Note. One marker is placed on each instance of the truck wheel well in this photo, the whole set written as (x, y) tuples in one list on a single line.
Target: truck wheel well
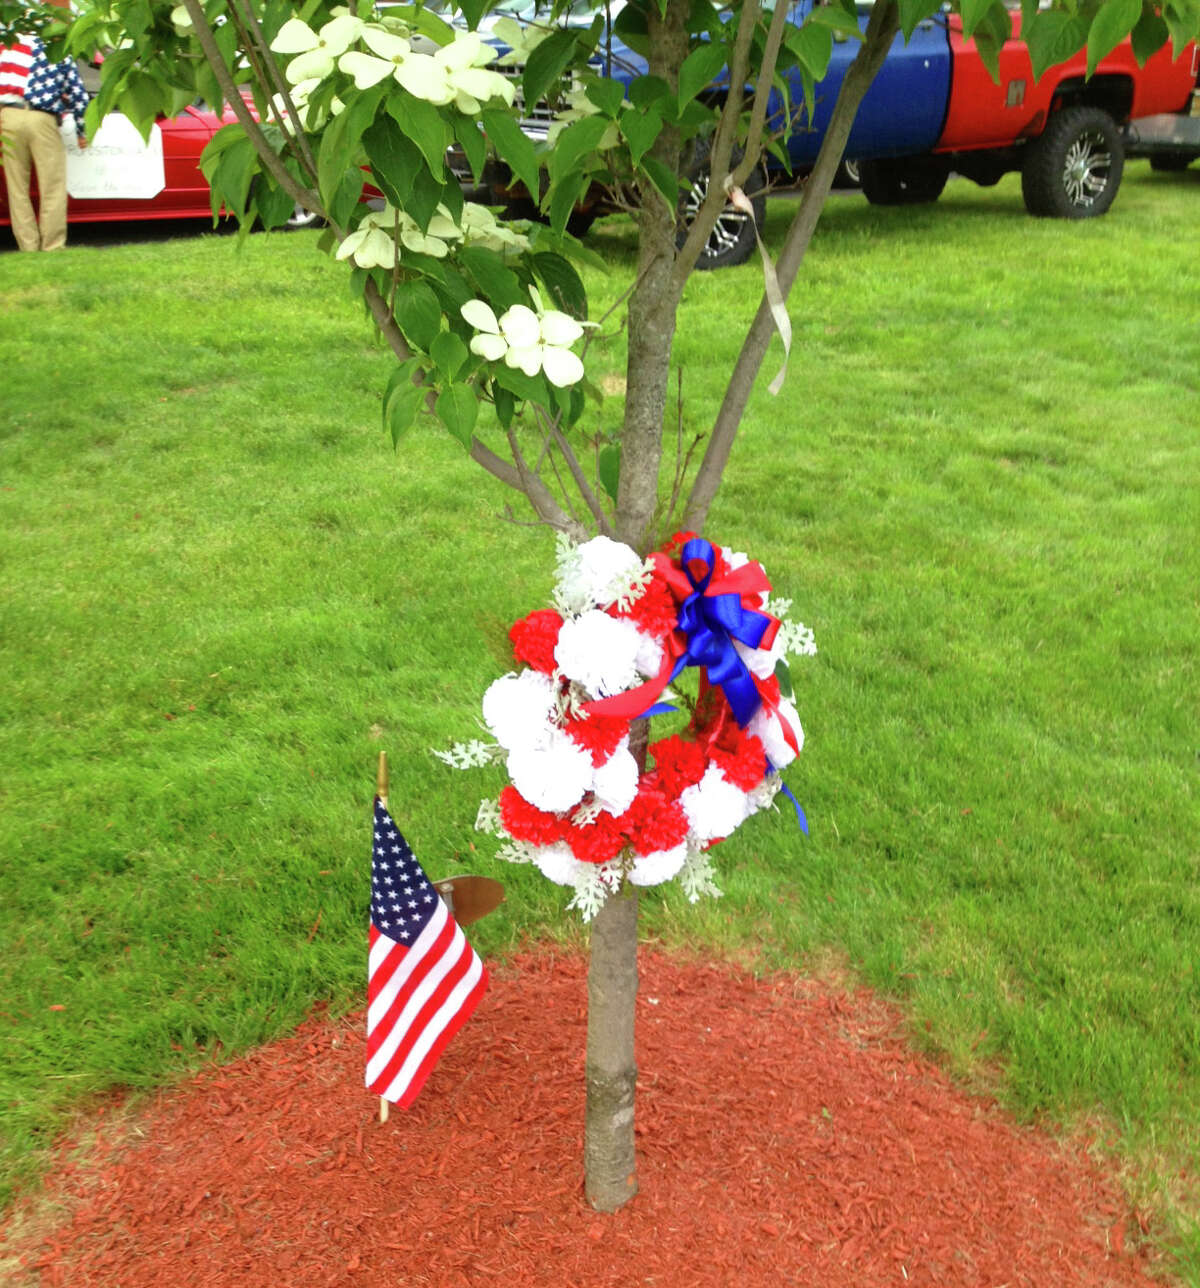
[(1112, 94)]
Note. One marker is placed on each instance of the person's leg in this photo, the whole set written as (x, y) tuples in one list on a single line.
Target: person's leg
[(14, 130), (50, 162)]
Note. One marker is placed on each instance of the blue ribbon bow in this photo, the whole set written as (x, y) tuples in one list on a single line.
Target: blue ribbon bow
[(710, 624)]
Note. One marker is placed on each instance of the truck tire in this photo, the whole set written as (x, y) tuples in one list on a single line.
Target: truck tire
[(902, 181), (732, 239), (1074, 169), (1171, 164)]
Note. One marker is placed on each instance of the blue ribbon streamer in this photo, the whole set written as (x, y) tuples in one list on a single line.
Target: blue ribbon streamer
[(710, 624)]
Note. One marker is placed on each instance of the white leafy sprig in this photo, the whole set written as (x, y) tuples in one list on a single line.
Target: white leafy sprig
[(470, 755), (794, 638), (487, 818), (516, 852), (698, 877), (594, 883)]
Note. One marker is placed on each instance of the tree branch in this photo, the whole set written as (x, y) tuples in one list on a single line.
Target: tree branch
[(271, 160), (881, 31)]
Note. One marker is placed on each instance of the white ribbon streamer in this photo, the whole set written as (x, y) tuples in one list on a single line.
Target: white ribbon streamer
[(783, 324)]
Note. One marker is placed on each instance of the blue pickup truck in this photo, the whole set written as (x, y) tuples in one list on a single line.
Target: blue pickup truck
[(934, 108)]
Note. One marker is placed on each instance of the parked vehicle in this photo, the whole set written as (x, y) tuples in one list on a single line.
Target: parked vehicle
[(934, 108), (120, 176)]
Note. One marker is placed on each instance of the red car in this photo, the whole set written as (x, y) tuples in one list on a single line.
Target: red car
[(119, 176)]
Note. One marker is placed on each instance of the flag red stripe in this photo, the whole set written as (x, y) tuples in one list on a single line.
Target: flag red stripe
[(457, 1020), (426, 1015), (419, 966)]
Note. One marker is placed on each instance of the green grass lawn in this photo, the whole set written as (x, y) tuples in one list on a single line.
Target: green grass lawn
[(223, 594)]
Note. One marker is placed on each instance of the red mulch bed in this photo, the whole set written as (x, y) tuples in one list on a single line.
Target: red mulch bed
[(786, 1134)]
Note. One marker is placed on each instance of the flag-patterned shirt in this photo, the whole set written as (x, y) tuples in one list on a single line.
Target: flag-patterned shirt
[(26, 73), (423, 978)]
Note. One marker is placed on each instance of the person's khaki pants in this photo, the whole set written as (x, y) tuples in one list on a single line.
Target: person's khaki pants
[(31, 141)]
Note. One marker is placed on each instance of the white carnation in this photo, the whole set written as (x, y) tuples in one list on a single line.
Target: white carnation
[(616, 781), (662, 865), (599, 652), (555, 776), (649, 655), (765, 725), (714, 806), (761, 661), (517, 709), (596, 573), (556, 863)]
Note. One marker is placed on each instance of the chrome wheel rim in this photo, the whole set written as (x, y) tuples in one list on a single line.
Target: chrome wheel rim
[(727, 231), (1086, 168)]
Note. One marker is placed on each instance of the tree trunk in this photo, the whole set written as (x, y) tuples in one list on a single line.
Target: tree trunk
[(609, 1160)]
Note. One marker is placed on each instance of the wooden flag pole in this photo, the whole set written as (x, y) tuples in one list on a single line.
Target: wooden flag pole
[(381, 790)]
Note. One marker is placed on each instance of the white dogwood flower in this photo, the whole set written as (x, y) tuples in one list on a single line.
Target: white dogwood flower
[(533, 341), (370, 245), (315, 51), (310, 118), (521, 38), (454, 74), (480, 227)]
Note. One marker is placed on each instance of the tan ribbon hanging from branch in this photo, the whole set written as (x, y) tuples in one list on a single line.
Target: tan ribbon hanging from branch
[(783, 324)]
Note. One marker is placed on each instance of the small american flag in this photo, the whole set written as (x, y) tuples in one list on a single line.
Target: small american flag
[(423, 978)]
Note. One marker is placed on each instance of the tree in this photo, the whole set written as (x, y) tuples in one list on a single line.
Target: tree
[(320, 93)]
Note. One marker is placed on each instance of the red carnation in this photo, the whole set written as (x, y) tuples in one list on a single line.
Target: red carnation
[(534, 637), (653, 822), (654, 611), (745, 765), (596, 842), (599, 735), (678, 764), (525, 822)]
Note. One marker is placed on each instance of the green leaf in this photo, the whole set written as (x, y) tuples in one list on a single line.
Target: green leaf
[(563, 283), (513, 147), (1183, 20), (608, 468), (546, 64), (424, 124), (449, 354), (403, 398), (493, 279), (418, 313), (575, 144), (991, 35), (427, 194), (473, 10), (338, 154), (534, 389), (663, 179), (458, 410), (506, 404), (346, 198), (1114, 21), (784, 675), (232, 175), (474, 145), (836, 19), (607, 95), (273, 204), (1052, 37), (700, 68), (640, 129), (644, 90), (813, 47), (564, 196), (394, 160), (1148, 37), (973, 13), (915, 11)]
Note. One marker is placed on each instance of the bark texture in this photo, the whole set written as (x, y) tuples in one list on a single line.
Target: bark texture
[(610, 1164)]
